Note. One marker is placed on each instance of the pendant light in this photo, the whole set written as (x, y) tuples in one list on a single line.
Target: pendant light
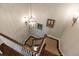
[(30, 12), (30, 18)]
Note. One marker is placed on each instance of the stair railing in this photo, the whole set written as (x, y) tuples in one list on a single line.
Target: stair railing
[(26, 50)]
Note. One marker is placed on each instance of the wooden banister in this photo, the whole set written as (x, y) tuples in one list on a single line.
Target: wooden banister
[(26, 47), (11, 39), (42, 44)]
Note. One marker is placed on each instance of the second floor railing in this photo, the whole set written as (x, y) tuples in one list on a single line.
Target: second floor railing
[(23, 49)]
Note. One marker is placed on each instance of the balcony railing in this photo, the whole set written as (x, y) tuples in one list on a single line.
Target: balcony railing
[(23, 49)]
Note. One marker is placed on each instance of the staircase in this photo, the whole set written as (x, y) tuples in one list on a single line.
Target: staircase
[(50, 47), (45, 46), (35, 43), (25, 50)]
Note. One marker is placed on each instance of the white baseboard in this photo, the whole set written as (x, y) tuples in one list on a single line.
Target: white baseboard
[(61, 52)]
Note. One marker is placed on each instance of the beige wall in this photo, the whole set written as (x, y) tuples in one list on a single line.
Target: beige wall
[(11, 22), (70, 40), (42, 12)]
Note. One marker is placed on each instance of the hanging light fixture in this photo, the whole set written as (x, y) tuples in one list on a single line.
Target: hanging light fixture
[(75, 17), (30, 12), (27, 18), (30, 18)]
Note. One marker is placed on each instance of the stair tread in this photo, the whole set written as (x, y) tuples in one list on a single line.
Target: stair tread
[(53, 50), (51, 46)]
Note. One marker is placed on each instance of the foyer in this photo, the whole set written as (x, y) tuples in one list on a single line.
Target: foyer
[(38, 29)]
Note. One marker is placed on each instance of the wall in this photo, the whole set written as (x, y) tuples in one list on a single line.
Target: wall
[(70, 39), (41, 12), (11, 22)]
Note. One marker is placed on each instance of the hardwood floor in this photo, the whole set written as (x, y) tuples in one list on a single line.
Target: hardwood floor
[(46, 53)]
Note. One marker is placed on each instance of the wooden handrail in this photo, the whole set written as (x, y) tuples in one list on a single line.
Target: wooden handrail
[(42, 44), (26, 46), (23, 46), (11, 39)]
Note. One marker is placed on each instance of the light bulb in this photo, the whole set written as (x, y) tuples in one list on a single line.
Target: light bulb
[(24, 19)]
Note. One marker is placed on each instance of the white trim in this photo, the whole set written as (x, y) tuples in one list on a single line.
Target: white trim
[(53, 37), (61, 52)]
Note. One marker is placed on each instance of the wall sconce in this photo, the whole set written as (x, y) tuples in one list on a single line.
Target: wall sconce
[(75, 18)]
